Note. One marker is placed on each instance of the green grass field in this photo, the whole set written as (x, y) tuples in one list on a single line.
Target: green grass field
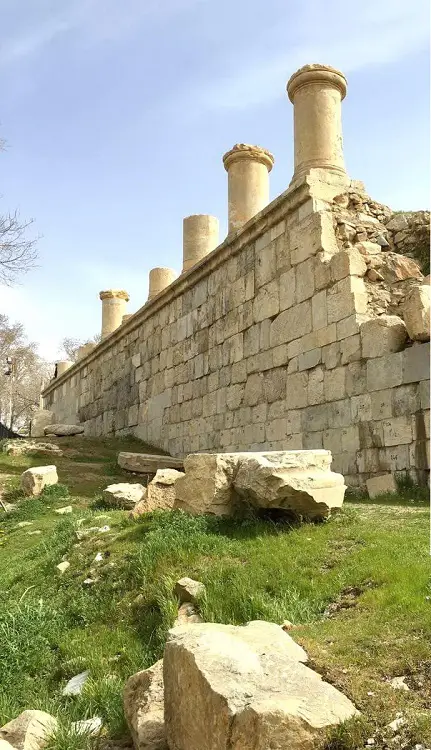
[(357, 589)]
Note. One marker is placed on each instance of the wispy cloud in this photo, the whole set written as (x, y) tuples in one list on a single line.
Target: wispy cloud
[(373, 33)]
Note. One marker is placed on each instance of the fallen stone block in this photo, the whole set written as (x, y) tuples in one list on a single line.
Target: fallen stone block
[(39, 420), (300, 482), (29, 731), (123, 495), (144, 708), (29, 448), (247, 687), (63, 430), (34, 480), (187, 615), (146, 463), (160, 493), (381, 485), (416, 313), (188, 590), (382, 335)]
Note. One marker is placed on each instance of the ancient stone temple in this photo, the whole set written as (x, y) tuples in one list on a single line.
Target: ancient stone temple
[(304, 328)]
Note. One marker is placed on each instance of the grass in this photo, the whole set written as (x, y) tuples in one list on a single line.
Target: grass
[(356, 588)]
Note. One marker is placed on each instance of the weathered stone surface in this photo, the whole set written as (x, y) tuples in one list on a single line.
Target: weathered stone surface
[(39, 420), (123, 495), (187, 615), (188, 590), (76, 683), (381, 484), (247, 687), (382, 335), (63, 430), (416, 313), (30, 448), (159, 494), (146, 463), (144, 709), (297, 481), (34, 480), (29, 731)]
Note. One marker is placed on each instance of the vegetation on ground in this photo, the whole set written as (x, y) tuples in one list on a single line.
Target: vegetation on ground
[(357, 589)]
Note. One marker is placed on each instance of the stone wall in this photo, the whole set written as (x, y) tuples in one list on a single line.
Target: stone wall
[(305, 328), (278, 339)]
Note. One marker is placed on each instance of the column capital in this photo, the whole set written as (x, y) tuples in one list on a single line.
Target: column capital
[(114, 294), (315, 73), (247, 151)]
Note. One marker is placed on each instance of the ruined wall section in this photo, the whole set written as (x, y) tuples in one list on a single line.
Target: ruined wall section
[(279, 339)]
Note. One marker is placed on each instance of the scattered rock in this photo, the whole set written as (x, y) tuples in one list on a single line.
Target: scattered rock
[(147, 463), (397, 223), (123, 495), (416, 313), (99, 557), (396, 724), (374, 275), (90, 581), (188, 590), (381, 485), (34, 533), (63, 566), (187, 615), (144, 708), (29, 731), (64, 510), (63, 430), (23, 524), (76, 684), (29, 448), (287, 625), (246, 687), (399, 683), (88, 726), (34, 480)]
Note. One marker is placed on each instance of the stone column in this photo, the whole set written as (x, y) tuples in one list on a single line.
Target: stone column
[(114, 303), (159, 279), (200, 236), (62, 366), (248, 170), (316, 92)]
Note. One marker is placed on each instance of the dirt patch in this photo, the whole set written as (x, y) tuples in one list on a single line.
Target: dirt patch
[(348, 598)]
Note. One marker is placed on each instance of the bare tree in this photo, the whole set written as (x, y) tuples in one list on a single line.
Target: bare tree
[(22, 372), (70, 346), (17, 252)]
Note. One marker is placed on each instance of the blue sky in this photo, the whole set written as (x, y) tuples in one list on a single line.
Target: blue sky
[(117, 113)]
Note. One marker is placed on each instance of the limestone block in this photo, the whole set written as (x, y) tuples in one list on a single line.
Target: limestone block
[(335, 384), (397, 223), (343, 304), (397, 431), (385, 372), (350, 349), (287, 289), (315, 389), (291, 324), (266, 302), (296, 390), (61, 430), (274, 384), (305, 280), (143, 700), (123, 495), (340, 413), (188, 590), (368, 249), (405, 400), (206, 486), (416, 363), (361, 408), (34, 480), (416, 313), (381, 485), (39, 420), (147, 463), (30, 730), (246, 687), (309, 359), (350, 441), (347, 263), (382, 335), (159, 494), (319, 312), (396, 267)]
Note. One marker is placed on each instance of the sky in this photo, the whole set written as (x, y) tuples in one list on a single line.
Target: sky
[(116, 116)]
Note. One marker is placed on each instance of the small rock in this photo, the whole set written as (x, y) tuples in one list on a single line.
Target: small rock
[(98, 558), (398, 683), (88, 726), (34, 480), (187, 615), (397, 724), (76, 684), (373, 275), (63, 511), (104, 529), (371, 741), (89, 581), (188, 590), (63, 566), (33, 533), (381, 240), (287, 625), (22, 524)]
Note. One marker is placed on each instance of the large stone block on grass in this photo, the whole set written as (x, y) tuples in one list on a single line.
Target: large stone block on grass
[(144, 708), (146, 463), (39, 420), (123, 495), (247, 688), (29, 731), (381, 485), (300, 482), (64, 430), (34, 480), (160, 493)]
